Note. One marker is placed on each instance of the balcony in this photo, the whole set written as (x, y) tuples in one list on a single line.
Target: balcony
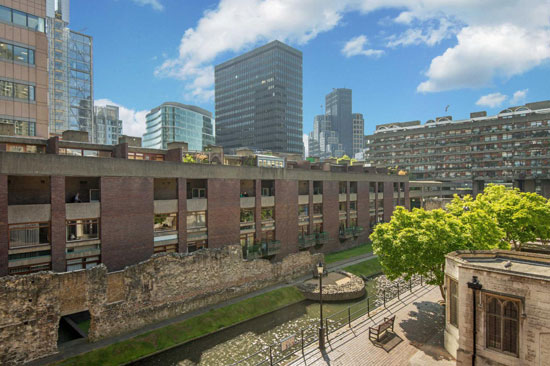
[(74, 211), (342, 197), (197, 204), (346, 233), (253, 252), (322, 238), (28, 213), (160, 206), (357, 230), (317, 198), (248, 202), (306, 241), (270, 247), (303, 199)]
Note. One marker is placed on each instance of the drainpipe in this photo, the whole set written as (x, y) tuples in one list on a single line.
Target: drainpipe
[(475, 286)]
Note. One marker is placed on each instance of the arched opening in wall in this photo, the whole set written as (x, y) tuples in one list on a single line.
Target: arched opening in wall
[(73, 326)]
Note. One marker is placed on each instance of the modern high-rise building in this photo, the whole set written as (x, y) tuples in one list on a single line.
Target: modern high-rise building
[(108, 126), (23, 68), (358, 133), (71, 73), (338, 108), (259, 100), (176, 122)]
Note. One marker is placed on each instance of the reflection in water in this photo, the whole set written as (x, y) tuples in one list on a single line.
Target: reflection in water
[(238, 342)]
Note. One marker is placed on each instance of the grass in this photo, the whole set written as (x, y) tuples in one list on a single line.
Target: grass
[(84, 326), (367, 268), (349, 253), (186, 330)]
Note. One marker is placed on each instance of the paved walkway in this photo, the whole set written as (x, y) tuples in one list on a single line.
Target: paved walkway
[(418, 337), (80, 346)]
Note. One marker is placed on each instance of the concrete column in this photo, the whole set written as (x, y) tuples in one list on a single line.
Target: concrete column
[(4, 236), (330, 215), (52, 146), (182, 215), (121, 151), (388, 201), (58, 227), (175, 155)]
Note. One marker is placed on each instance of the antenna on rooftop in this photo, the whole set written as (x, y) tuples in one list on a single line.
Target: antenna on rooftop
[(447, 107)]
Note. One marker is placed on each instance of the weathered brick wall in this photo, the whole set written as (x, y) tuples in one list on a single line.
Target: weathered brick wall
[(162, 287), (286, 215), (330, 215), (363, 210), (223, 215), (126, 220), (4, 239)]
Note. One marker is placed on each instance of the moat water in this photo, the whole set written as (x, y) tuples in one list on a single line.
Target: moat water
[(236, 343)]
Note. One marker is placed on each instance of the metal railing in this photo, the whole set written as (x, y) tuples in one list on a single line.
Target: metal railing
[(322, 238), (306, 241), (298, 341), (271, 247)]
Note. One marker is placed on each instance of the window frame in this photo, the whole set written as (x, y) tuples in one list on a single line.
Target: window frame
[(501, 318)]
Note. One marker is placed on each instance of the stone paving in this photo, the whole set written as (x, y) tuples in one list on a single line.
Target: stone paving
[(417, 338)]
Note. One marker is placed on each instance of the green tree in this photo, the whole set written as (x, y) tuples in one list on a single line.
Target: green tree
[(522, 216), (189, 159), (416, 242)]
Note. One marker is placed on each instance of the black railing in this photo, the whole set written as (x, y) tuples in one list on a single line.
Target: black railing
[(298, 341)]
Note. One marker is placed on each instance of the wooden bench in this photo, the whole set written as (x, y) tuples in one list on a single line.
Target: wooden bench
[(381, 328)]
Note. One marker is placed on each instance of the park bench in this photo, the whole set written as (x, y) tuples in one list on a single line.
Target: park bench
[(381, 328)]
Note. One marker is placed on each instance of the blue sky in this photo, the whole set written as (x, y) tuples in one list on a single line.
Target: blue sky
[(403, 59)]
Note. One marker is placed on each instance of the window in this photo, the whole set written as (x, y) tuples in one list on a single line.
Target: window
[(5, 14), (196, 219), (198, 193), (23, 19), (6, 88), (85, 229), (267, 213), (31, 234), (247, 215), (453, 305), (6, 51), (19, 18), (317, 208), (74, 264), (502, 324), (303, 210), (165, 222)]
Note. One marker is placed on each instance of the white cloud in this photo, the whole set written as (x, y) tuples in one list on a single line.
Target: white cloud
[(305, 139), (492, 100), (495, 38), (155, 4), (485, 53), (133, 122), (356, 46), (519, 97)]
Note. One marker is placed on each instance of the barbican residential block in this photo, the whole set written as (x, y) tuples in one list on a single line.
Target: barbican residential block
[(72, 205), (511, 148)]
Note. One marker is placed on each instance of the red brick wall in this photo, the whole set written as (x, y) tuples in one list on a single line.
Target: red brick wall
[(58, 227), (4, 239), (330, 215), (388, 200), (224, 210), (363, 209), (258, 210), (310, 183), (286, 215), (126, 220), (182, 215)]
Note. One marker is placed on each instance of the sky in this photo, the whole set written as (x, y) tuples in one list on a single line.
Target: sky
[(403, 59)]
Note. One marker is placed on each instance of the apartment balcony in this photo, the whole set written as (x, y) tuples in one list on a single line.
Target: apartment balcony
[(160, 206), (253, 251), (248, 227), (268, 224), (270, 247), (166, 237), (357, 230), (248, 202), (302, 219), (306, 241), (317, 218), (342, 197), (317, 198), (303, 199), (268, 201), (321, 238), (353, 196), (29, 213), (74, 211), (346, 233), (197, 204), (197, 233)]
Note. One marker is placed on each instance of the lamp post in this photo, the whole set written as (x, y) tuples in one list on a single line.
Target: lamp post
[(321, 329), (475, 286)]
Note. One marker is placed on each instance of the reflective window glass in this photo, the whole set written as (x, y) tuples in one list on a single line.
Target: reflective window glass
[(31, 57), (32, 22), (6, 88), (5, 14), (21, 91), (21, 54), (6, 51), (19, 18), (31, 92)]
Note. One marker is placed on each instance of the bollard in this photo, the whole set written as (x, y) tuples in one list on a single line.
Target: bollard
[(349, 317), (270, 356), (398, 291), (411, 284), (368, 306)]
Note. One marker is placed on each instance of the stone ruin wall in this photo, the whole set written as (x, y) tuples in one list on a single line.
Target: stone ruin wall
[(162, 287)]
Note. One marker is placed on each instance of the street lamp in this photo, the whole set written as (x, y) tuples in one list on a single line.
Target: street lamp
[(320, 270), (475, 286)]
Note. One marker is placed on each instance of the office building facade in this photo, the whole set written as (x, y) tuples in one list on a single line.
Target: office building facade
[(70, 72), (358, 133), (338, 107), (23, 68), (108, 126), (64, 211), (258, 98), (176, 122), (510, 148)]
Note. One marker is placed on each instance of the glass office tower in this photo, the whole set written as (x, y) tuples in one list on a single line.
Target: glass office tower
[(70, 73), (338, 108), (108, 126), (176, 122), (259, 100)]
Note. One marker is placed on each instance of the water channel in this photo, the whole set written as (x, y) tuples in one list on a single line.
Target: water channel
[(236, 343)]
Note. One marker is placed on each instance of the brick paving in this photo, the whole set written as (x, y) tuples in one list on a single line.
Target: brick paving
[(418, 335)]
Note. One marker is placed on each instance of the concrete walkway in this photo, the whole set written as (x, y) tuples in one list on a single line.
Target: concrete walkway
[(417, 337), (80, 346)]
